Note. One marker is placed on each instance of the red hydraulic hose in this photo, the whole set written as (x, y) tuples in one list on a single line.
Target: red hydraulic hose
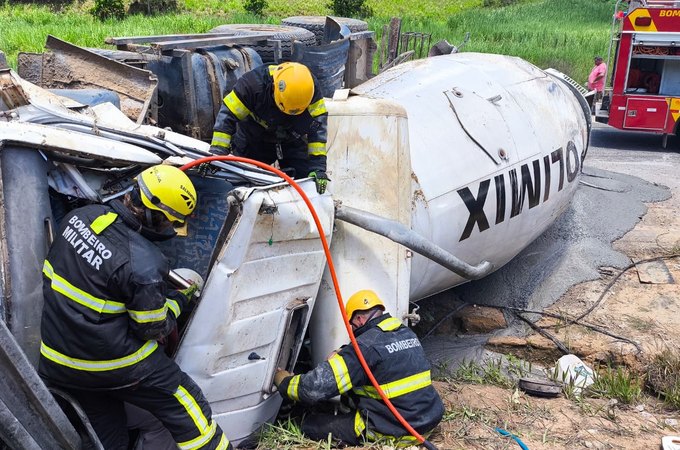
[(336, 285)]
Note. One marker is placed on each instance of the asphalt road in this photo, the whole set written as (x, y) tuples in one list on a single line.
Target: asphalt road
[(623, 172)]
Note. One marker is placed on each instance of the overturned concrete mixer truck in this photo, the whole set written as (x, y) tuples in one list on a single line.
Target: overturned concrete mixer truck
[(443, 169)]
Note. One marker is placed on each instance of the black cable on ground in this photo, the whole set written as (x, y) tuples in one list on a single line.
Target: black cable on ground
[(544, 333), (611, 283), (571, 321)]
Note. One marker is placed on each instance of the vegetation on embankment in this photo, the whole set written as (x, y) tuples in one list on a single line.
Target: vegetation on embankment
[(548, 33)]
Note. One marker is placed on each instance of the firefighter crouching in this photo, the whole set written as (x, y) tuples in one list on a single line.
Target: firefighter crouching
[(394, 355), (276, 113), (106, 306)]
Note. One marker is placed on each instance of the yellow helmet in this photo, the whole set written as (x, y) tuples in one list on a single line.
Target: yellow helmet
[(293, 87), (168, 190), (362, 301)]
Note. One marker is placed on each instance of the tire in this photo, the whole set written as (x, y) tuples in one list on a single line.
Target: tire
[(286, 34), (316, 24)]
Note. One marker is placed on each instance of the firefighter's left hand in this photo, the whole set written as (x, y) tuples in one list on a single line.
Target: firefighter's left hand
[(280, 376), (321, 180), (190, 292)]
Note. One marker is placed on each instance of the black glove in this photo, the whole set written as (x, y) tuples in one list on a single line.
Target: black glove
[(321, 180)]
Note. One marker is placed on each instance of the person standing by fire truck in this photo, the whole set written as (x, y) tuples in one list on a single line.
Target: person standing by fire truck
[(597, 77)]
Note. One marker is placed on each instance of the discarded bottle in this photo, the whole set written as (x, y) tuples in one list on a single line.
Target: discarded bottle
[(571, 370)]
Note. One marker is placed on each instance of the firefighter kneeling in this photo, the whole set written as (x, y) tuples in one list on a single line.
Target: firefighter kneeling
[(394, 355)]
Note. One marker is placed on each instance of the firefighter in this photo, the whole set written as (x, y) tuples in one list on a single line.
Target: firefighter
[(276, 113), (107, 305), (394, 355)]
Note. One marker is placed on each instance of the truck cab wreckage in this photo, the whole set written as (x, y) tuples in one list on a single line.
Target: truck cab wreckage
[(443, 169)]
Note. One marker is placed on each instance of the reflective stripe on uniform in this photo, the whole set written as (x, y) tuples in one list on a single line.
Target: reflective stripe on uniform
[(398, 442), (204, 438), (173, 306), (293, 388), (359, 424), (390, 324), (403, 441), (397, 388), (100, 305), (342, 378), (207, 431), (236, 106), (98, 366), (317, 108), (155, 315), (221, 139), (102, 222), (317, 149)]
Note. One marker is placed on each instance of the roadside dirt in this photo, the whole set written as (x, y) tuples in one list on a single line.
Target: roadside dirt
[(641, 304)]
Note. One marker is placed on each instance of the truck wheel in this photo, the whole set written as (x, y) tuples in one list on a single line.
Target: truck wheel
[(286, 34), (316, 24)]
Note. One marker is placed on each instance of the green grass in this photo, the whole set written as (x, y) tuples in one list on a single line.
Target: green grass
[(548, 33), (618, 383)]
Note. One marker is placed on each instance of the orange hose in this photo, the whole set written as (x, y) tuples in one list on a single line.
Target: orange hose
[(331, 269)]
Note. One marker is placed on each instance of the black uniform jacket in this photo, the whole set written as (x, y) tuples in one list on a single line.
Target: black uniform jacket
[(394, 355), (251, 105), (106, 301)]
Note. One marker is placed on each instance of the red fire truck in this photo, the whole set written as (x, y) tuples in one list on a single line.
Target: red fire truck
[(643, 92)]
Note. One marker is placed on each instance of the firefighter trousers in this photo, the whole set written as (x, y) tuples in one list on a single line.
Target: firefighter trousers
[(291, 153), (170, 395), (317, 426)]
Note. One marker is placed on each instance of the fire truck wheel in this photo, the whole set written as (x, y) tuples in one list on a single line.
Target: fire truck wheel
[(286, 34), (316, 24)]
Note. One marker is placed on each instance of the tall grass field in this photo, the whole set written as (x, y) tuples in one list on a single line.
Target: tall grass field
[(549, 33)]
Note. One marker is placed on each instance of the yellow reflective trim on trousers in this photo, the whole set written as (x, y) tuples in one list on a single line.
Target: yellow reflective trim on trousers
[(398, 442), (102, 222), (390, 324), (221, 139), (203, 439), (155, 315), (317, 108), (397, 388), (194, 410), (173, 306), (236, 106), (317, 149), (98, 366), (359, 424), (341, 373), (293, 388), (99, 305), (223, 444)]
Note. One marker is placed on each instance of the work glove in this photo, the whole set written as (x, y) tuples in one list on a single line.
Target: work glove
[(220, 150), (280, 376), (190, 291), (321, 180)]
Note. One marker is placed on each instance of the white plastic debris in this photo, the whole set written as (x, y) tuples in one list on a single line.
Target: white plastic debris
[(571, 370)]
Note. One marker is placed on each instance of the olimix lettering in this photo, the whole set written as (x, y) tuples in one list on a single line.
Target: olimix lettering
[(85, 242), (524, 184)]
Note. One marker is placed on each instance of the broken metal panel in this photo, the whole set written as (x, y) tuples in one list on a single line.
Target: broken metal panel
[(29, 403), (66, 66), (75, 144)]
